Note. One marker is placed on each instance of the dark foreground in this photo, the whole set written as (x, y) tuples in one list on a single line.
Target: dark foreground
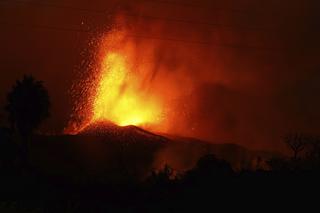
[(197, 190), (133, 173)]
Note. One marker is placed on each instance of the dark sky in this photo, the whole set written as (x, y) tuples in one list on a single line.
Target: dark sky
[(254, 64)]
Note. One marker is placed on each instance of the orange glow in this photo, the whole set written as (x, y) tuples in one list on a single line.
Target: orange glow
[(127, 83), (118, 98)]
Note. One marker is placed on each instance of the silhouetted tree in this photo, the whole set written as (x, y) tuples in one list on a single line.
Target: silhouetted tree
[(27, 105), (297, 143)]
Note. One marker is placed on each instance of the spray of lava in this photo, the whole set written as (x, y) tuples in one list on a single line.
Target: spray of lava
[(118, 98), (119, 90)]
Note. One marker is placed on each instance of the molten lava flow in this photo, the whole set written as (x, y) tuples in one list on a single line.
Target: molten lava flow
[(119, 98)]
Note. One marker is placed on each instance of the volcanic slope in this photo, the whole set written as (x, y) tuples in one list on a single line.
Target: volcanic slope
[(104, 150)]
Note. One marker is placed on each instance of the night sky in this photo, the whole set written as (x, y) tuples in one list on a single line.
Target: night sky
[(252, 66)]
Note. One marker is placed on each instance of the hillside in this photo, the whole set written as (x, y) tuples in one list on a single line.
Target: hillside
[(106, 149)]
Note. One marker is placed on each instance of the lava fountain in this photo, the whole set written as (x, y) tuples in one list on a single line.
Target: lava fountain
[(118, 88), (118, 98)]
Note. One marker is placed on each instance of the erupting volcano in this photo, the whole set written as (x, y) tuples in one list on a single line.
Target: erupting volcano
[(131, 80), (120, 88)]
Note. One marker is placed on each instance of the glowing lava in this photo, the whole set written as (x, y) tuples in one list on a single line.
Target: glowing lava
[(119, 98), (120, 87)]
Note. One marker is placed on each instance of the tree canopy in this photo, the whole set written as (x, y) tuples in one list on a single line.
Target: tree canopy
[(27, 105)]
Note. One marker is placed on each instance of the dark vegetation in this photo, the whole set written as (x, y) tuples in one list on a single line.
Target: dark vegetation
[(108, 168)]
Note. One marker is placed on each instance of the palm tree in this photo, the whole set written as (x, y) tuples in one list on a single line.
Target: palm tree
[(27, 105)]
